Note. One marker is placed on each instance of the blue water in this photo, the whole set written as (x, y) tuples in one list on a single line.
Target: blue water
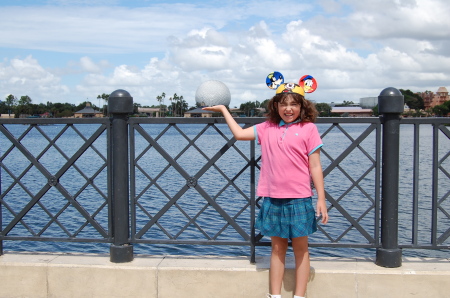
[(150, 165)]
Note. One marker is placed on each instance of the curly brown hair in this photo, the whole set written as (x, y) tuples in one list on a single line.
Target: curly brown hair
[(308, 112)]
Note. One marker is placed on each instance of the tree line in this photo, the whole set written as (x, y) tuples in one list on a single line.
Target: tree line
[(177, 106), (24, 106)]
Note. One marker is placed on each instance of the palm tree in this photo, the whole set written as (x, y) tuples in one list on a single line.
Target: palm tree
[(175, 99), (160, 99), (163, 95), (105, 97), (181, 106)]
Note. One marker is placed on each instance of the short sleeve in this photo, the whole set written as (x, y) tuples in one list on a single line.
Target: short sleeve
[(260, 131), (315, 142)]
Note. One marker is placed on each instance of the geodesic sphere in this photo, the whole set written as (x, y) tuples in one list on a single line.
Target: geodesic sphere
[(212, 93)]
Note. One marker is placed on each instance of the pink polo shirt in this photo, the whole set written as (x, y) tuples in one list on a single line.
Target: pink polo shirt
[(284, 158)]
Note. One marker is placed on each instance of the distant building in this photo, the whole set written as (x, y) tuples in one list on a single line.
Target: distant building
[(198, 112), (368, 102), (431, 99), (150, 111), (342, 104), (352, 111), (258, 112), (88, 112)]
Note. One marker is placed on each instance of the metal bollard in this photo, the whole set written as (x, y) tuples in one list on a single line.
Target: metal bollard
[(390, 106), (120, 104)]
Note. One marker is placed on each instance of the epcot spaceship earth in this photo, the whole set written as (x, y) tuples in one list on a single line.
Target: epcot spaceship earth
[(212, 93)]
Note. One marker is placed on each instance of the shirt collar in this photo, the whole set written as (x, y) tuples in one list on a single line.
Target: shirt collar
[(284, 123)]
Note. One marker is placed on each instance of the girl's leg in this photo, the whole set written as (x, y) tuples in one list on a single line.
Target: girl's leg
[(301, 253), (277, 263)]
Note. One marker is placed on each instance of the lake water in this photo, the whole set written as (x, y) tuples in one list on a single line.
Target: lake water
[(156, 183)]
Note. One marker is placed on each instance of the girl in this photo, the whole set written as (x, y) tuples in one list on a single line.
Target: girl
[(290, 158)]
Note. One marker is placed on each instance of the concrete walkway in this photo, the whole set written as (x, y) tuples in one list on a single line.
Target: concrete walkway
[(84, 275)]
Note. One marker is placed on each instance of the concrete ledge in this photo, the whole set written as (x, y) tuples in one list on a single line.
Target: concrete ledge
[(83, 275)]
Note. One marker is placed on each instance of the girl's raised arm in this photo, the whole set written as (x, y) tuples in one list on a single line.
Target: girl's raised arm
[(243, 134)]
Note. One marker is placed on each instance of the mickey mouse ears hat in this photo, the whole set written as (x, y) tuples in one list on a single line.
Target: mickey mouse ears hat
[(290, 88), (275, 80)]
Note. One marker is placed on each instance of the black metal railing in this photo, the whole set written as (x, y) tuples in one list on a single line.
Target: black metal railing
[(28, 208), (169, 181)]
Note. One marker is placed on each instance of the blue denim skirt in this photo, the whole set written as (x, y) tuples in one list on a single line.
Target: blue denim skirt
[(286, 218)]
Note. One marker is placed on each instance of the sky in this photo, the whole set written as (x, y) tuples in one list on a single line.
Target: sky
[(74, 50)]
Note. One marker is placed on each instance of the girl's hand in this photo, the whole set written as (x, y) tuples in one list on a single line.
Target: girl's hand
[(321, 209), (218, 108)]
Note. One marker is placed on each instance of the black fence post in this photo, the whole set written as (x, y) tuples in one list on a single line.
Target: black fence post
[(120, 104), (390, 106)]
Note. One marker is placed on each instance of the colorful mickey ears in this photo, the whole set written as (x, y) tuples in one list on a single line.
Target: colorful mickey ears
[(275, 79), (308, 83)]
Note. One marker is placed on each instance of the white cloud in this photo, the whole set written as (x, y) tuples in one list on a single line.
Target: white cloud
[(89, 66), (202, 49), (384, 21), (398, 61), (98, 29), (249, 96), (315, 51), (28, 77), (330, 6)]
